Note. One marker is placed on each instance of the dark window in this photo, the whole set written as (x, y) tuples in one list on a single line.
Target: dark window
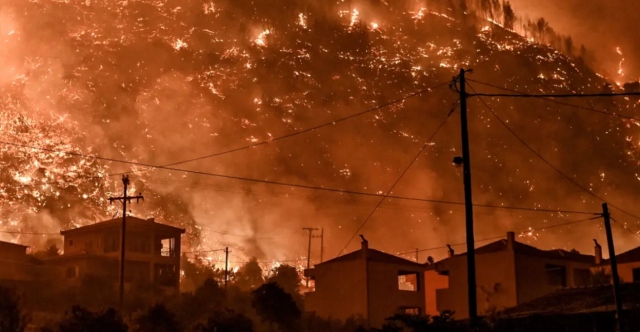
[(408, 281), (71, 272), (166, 275), (111, 242), (70, 243), (636, 275), (556, 275), (581, 277)]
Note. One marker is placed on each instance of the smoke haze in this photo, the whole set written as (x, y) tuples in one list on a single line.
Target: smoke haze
[(160, 82)]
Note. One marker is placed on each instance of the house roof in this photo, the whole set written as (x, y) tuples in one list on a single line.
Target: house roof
[(131, 221), (373, 256), (11, 244), (577, 300), (501, 245), (630, 256)]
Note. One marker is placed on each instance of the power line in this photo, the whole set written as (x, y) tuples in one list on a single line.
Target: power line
[(626, 229), (558, 101), (393, 102), (302, 186), (30, 233), (576, 183), (502, 236), (568, 95), (424, 146)]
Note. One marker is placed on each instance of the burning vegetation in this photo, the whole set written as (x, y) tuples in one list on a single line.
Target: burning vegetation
[(163, 81)]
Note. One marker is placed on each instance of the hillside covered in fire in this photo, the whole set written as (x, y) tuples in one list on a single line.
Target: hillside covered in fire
[(176, 82)]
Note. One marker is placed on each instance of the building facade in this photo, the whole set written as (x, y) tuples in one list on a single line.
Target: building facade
[(508, 273), (628, 264), (366, 284), (16, 266), (152, 252)]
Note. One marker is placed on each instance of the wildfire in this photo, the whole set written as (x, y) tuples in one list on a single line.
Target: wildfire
[(261, 40), (620, 70)]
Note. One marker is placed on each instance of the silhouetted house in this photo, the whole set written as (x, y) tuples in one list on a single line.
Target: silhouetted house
[(571, 301), (508, 273), (628, 264), (368, 284), (16, 266), (152, 252)]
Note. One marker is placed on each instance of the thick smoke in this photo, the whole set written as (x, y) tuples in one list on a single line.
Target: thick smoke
[(164, 81), (602, 26)]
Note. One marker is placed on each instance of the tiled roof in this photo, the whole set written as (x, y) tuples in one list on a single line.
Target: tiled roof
[(374, 256), (118, 221), (576, 300), (526, 249)]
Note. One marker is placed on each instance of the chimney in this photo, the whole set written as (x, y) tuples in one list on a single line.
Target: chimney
[(598, 252), (450, 250), (365, 246), (511, 239)]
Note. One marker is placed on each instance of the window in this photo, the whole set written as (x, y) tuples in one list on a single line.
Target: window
[(408, 281), (71, 272), (111, 242), (166, 275), (70, 243), (581, 277), (636, 275), (556, 275), (168, 247), (409, 311)]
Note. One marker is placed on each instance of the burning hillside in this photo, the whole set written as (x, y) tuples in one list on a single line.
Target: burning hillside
[(163, 81)]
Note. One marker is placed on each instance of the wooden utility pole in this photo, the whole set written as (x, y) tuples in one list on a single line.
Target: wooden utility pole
[(321, 245), (468, 202), (321, 237), (310, 230), (125, 199), (614, 265), (226, 267)]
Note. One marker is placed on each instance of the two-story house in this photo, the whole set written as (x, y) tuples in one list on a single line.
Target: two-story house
[(152, 252), (508, 273), (16, 266), (368, 284)]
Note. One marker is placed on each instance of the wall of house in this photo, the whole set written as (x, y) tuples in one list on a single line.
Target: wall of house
[(533, 280), (432, 282), (82, 243), (385, 297), (340, 290), (495, 280), (625, 270)]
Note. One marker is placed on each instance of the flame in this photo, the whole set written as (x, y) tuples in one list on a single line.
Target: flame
[(260, 41)]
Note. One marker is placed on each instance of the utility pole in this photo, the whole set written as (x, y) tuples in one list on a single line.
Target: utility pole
[(417, 255), (468, 203), (321, 236), (614, 265), (124, 199), (310, 230), (226, 267), (322, 245)]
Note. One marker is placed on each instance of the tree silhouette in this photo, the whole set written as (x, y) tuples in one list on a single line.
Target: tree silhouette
[(249, 276), (225, 321), (508, 15), (275, 306), (157, 319), (11, 317), (83, 320), (287, 277)]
